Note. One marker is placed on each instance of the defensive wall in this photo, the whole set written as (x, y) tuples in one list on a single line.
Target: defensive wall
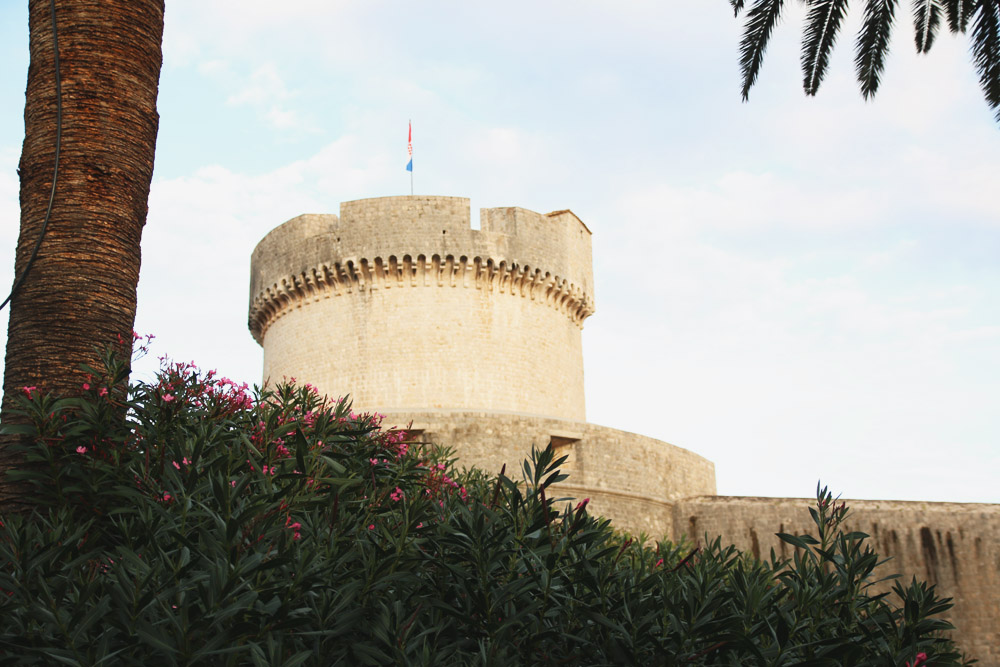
[(629, 478), (471, 339), (955, 546)]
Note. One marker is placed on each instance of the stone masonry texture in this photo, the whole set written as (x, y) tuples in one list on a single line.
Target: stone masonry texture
[(471, 340), (950, 545), (401, 304)]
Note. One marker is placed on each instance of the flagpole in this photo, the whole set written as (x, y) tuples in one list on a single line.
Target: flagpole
[(409, 142)]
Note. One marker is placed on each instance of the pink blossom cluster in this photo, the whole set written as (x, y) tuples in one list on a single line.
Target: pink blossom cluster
[(270, 420), (295, 527)]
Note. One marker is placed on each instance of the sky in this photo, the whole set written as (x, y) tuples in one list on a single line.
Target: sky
[(798, 289)]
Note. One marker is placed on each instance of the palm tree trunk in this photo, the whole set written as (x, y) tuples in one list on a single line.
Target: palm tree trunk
[(80, 292)]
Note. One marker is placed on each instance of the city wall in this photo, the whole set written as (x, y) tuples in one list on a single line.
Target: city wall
[(471, 338), (955, 546), (629, 478)]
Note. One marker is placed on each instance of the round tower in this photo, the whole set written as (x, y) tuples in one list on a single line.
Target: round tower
[(465, 338), (399, 303)]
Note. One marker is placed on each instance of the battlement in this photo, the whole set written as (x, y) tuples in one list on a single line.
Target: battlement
[(411, 241), (399, 302)]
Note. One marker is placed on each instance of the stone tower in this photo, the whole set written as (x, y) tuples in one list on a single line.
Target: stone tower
[(399, 303), (471, 339)]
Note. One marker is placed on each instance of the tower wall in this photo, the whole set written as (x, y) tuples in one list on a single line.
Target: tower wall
[(401, 304)]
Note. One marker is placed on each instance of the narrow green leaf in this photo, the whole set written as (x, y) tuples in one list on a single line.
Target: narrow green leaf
[(926, 20), (761, 19), (873, 44), (822, 23)]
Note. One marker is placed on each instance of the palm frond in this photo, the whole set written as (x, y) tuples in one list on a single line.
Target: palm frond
[(986, 51), (761, 19), (873, 44), (820, 33), (958, 13), (926, 19), (737, 6)]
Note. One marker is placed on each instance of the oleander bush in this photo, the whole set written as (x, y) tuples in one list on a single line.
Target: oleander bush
[(192, 521)]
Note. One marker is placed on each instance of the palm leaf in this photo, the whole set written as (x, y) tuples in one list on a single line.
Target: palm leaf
[(926, 19), (958, 13), (820, 33), (737, 6), (761, 19), (986, 51), (873, 44)]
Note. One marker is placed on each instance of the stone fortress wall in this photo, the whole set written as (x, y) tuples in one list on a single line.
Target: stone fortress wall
[(629, 478), (954, 546), (471, 338)]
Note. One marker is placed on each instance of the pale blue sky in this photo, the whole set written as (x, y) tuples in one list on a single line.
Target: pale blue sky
[(795, 288)]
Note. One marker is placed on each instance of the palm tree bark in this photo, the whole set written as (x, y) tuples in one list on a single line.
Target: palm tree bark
[(80, 291)]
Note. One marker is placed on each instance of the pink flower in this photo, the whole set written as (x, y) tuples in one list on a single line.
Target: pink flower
[(920, 659), (176, 464), (371, 526), (397, 495), (167, 398), (81, 450), (28, 390), (659, 563), (86, 386), (185, 461), (103, 391)]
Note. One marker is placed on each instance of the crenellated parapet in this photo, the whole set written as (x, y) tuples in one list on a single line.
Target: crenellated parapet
[(396, 242), (399, 302), (471, 339)]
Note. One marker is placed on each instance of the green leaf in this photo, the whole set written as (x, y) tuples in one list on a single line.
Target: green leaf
[(986, 52), (800, 541), (822, 23), (761, 19), (873, 44), (926, 20)]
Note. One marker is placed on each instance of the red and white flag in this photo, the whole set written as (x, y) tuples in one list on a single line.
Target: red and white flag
[(409, 145)]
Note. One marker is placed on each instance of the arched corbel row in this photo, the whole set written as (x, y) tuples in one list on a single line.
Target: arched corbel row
[(358, 275)]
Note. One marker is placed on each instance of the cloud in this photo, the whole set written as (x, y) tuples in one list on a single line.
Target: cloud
[(264, 90), (256, 29), (847, 348), (263, 87), (196, 248)]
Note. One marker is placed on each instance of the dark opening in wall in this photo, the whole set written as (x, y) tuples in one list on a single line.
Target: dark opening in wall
[(562, 440)]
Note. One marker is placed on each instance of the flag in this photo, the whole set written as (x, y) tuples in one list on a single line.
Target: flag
[(409, 146)]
